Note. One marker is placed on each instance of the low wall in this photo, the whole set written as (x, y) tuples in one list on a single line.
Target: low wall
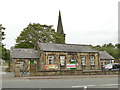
[(76, 72), (101, 73)]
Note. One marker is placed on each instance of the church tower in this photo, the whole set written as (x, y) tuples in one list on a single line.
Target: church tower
[(60, 27)]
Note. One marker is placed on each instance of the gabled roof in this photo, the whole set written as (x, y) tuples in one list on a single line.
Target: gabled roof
[(24, 53), (105, 55), (65, 47)]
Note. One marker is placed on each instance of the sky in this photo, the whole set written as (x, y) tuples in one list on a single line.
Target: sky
[(84, 21)]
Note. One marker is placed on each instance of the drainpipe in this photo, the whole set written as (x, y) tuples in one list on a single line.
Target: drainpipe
[(98, 61)]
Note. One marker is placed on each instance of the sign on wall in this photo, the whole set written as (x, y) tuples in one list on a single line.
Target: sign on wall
[(51, 66), (71, 66)]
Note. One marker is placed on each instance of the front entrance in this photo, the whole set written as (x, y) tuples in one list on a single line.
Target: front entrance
[(25, 67)]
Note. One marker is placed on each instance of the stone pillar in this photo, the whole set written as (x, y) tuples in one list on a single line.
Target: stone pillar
[(32, 69), (17, 70), (87, 62), (11, 66), (96, 60), (42, 62)]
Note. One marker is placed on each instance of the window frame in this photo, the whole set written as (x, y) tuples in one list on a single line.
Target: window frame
[(109, 61), (103, 61), (50, 60), (83, 63), (92, 61), (62, 64)]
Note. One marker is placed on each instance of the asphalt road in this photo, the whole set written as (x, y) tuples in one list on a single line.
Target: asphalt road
[(62, 83)]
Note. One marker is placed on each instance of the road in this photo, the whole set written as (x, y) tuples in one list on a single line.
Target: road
[(62, 83)]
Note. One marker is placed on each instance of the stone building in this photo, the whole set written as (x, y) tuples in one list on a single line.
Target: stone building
[(67, 56), (106, 58), (60, 57), (21, 59)]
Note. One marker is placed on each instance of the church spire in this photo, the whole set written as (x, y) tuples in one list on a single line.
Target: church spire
[(60, 27)]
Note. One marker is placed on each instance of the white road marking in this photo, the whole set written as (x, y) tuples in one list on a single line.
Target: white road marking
[(84, 86)]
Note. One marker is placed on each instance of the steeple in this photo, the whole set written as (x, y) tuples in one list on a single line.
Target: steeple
[(60, 27)]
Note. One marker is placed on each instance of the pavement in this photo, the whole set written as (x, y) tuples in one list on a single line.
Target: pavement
[(10, 76), (71, 77)]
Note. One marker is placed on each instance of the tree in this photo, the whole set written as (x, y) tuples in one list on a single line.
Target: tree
[(117, 46), (110, 48), (2, 34), (98, 46), (5, 54), (110, 45), (1, 38), (37, 32)]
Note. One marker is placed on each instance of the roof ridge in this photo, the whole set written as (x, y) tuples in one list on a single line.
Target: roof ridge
[(67, 44), (23, 48)]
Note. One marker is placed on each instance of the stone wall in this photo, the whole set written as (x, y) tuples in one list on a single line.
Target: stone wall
[(76, 72)]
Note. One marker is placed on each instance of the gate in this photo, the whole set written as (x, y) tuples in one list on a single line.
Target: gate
[(24, 69)]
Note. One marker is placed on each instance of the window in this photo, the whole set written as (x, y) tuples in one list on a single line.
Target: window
[(50, 59), (21, 65), (92, 60), (109, 61), (62, 60), (82, 60), (103, 62)]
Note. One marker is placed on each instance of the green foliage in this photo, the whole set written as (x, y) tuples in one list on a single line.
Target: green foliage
[(37, 32), (110, 48), (5, 53), (2, 34), (24, 45), (59, 38)]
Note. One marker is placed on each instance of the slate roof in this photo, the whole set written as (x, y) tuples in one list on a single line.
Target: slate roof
[(31, 53), (105, 55), (24, 53), (65, 47)]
